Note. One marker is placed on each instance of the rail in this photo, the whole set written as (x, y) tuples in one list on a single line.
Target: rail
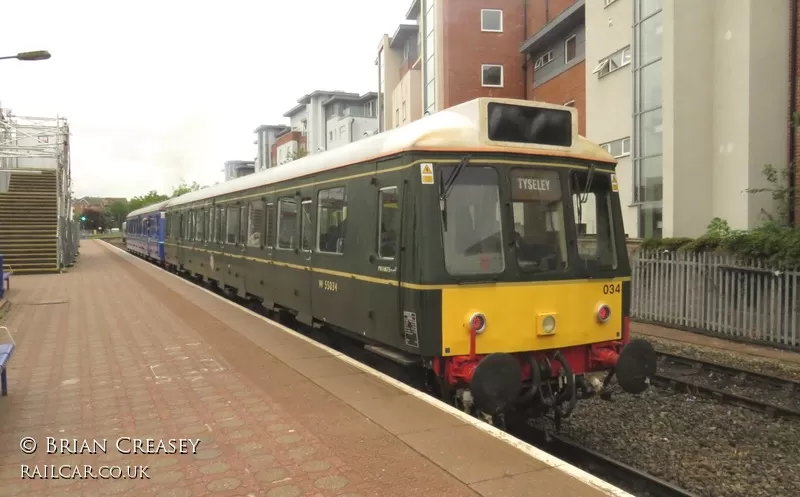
[(681, 373)]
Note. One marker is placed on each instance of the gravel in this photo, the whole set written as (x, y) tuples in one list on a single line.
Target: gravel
[(748, 387), (783, 369), (708, 448)]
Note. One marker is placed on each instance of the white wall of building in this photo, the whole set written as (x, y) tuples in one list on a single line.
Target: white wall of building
[(724, 95), (284, 151), (609, 102)]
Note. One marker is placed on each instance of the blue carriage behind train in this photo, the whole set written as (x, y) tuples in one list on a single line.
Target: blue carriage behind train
[(145, 230)]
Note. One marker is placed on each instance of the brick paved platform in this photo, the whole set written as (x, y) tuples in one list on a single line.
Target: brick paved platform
[(119, 348)]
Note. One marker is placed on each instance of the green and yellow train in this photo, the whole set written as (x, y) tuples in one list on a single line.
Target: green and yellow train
[(483, 243)]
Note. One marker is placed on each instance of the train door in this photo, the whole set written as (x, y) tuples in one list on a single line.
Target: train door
[(387, 257), (308, 231)]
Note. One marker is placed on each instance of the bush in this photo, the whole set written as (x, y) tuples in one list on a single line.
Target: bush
[(776, 245)]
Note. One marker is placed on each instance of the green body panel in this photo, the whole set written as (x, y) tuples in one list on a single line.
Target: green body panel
[(356, 292)]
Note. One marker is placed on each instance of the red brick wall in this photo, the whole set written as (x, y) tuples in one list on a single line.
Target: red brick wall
[(288, 137), (466, 47), (569, 85), (541, 12)]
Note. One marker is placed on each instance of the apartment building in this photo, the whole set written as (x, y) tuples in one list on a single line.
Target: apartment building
[(324, 119), (238, 168), (555, 53), (266, 137), (465, 49), (692, 99), (350, 118)]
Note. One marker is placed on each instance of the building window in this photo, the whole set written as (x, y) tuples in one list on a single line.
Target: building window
[(287, 223), (492, 75), (404, 111), (571, 48), (617, 60), (544, 59), (330, 135), (492, 20), (571, 103), (618, 148), (388, 222), (429, 55), (331, 216), (396, 117), (647, 150), (342, 132)]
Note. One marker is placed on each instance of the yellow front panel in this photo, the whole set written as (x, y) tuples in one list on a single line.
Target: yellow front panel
[(514, 314)]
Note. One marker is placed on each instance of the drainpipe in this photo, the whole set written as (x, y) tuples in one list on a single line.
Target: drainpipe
[(525, 55), (352, 123), (792, 110)]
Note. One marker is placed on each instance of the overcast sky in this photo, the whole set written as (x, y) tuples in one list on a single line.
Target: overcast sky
[(159, 92)]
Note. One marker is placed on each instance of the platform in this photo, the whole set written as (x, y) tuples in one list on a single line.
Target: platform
[(119, 348)]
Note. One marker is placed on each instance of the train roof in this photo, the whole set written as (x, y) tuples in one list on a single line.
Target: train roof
[(149, 208), (460, 128)]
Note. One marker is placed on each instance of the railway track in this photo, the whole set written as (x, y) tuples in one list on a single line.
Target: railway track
[(626, 477), (721, 382)]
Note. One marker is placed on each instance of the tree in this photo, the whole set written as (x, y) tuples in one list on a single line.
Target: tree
[(116, 213), (781, 190), (184, 188), (152, 197)]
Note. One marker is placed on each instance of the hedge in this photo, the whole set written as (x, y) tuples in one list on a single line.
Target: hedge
[(777, 246)]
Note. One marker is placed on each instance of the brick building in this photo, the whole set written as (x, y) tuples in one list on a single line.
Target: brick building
[(555, 54), (458, 50)]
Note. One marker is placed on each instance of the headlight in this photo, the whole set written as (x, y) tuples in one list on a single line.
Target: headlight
[(548, 324)]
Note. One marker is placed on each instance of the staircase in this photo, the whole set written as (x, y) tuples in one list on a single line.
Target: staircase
[(29, 223)]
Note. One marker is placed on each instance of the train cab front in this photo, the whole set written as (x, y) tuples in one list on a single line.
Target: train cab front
[(543, 289)]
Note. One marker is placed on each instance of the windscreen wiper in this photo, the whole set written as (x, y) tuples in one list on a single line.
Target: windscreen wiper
[(447, 186), (451, 180)]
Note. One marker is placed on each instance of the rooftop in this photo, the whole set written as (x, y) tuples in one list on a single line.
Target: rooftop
[(305, 99), (403, 33)]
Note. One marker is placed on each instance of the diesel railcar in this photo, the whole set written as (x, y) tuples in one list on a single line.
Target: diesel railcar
[(144, 231), (483, 243)]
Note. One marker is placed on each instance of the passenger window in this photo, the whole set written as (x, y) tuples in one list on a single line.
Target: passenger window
[(287, 223), (200, 223), (212, 217), (388, 222), (331, 217), (221, 225), (232, 225), (270, 223), (255, 224), (307, 226), (243, 225)]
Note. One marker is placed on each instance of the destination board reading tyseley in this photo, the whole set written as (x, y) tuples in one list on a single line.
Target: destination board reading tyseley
[(531, 184)]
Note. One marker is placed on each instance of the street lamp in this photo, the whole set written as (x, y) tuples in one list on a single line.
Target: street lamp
[(35, 55)]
